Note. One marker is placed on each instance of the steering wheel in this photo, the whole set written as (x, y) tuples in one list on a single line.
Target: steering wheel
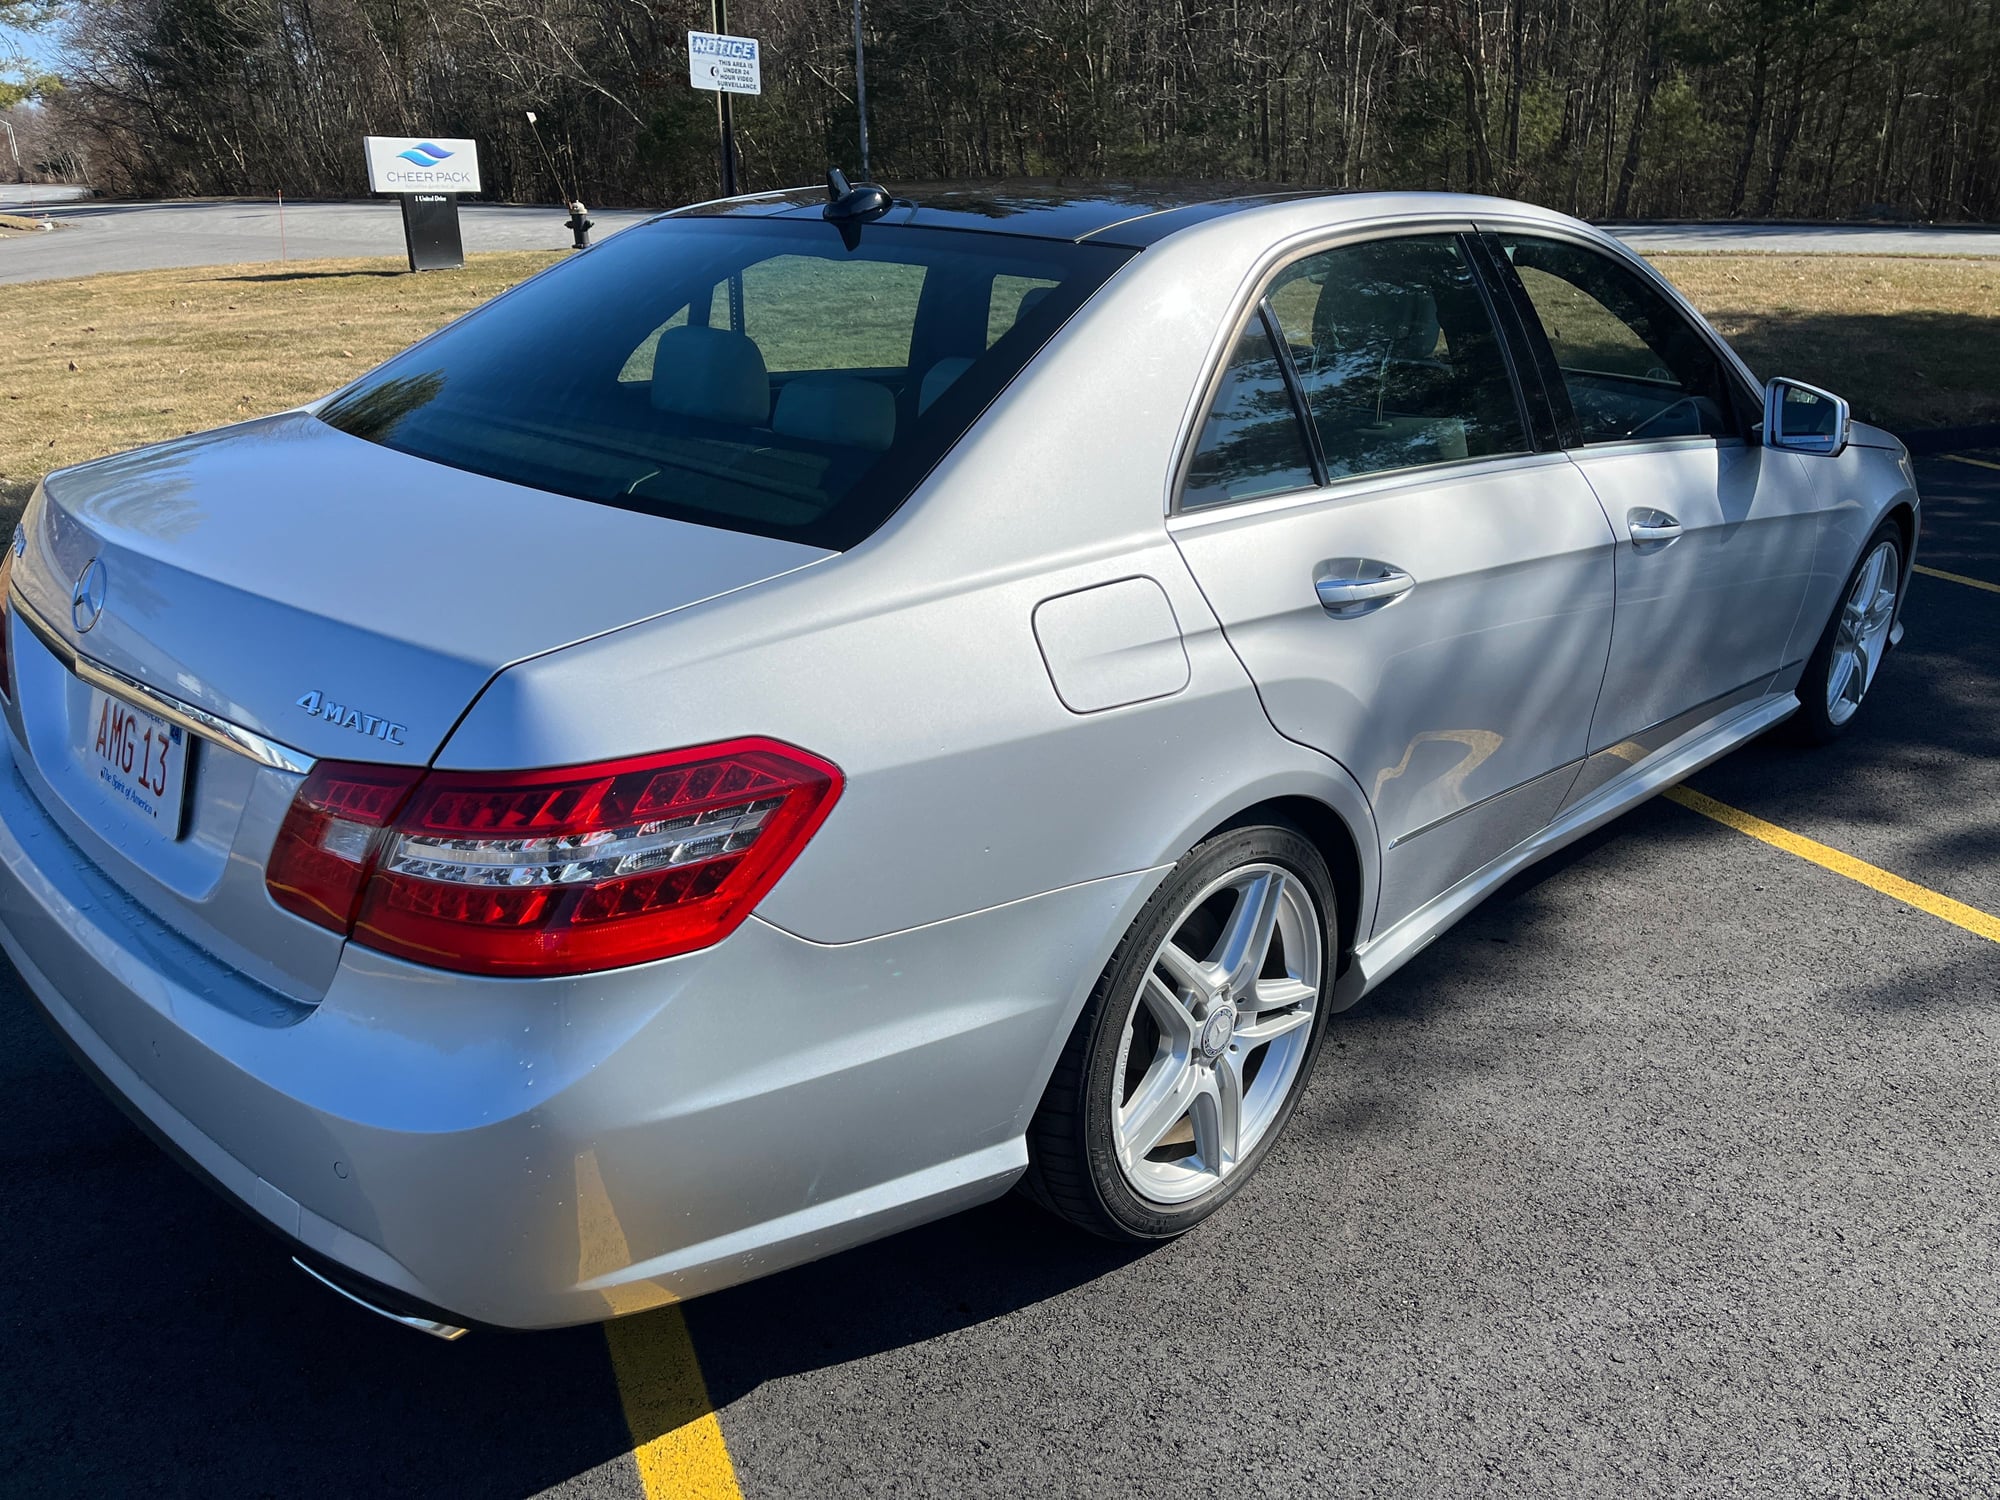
[(1644, 428)]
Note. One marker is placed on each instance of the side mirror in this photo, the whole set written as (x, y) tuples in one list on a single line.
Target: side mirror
[(1803, 419)]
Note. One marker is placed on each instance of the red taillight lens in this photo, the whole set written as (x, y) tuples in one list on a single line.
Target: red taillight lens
[(330, 838), (566, 871)]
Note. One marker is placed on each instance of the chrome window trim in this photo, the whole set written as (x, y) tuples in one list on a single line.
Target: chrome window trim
[(1360, 486), (1627, 446), (197, 721)]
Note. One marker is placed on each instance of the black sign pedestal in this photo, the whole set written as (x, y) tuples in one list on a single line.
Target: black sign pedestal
[(430, 231)]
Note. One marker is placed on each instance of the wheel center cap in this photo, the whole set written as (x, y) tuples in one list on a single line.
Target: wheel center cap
[(1216, 1031)]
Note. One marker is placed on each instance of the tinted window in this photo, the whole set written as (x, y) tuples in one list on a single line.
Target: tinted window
[(1633, 365), (1397, 356), (1010, 297), (1252, 443), (758, 376)]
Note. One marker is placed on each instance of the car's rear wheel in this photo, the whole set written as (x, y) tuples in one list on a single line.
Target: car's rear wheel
[(1196, 1043), (1843, 666)]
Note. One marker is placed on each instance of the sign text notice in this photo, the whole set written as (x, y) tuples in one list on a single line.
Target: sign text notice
[(728, 64)]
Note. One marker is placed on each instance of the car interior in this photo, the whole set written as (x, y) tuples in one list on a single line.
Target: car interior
[(742, 438), (1632, 366), (1396, 357)]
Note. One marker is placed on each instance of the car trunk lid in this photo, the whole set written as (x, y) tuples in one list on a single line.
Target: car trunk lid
[(328, 594)]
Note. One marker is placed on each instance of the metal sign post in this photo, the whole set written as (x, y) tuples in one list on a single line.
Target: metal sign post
[(427, 174), (727, 65)]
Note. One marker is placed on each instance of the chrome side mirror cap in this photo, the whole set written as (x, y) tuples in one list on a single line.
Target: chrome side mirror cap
[(1802, 418)]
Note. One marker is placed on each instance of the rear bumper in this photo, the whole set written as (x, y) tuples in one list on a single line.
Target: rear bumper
[(532, 1153)]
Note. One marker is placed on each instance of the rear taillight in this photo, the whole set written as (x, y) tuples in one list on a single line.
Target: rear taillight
[(330, 838), (550, 872)]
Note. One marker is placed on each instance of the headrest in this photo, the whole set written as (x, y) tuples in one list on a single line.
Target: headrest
[(838, 409), (713, 375), (1030, 300), (938, 379), (1376, 319)]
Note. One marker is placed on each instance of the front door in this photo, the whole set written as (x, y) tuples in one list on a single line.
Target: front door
[(1415, 591), (1715, 533)]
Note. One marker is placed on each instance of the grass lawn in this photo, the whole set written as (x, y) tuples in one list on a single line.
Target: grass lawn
[(1910, 341), (104, 363)]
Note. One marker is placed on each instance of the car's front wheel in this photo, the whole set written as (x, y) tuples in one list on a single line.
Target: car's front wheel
[(1196, 1043), (1842, 667)]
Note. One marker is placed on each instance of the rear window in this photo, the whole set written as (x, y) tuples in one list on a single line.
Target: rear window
[(756, 375)]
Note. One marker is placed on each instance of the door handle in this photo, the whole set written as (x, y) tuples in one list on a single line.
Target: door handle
[(1361, 588), (1651, 527)]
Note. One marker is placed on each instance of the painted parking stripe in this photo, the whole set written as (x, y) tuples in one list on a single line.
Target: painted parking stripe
[(1977, 463), (1971, 918), (1971, 583), (676, 1436)]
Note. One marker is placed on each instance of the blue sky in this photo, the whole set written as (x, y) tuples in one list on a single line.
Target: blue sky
[(40, 49)]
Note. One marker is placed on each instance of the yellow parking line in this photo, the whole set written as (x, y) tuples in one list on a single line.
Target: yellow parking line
[(676, 1437), (1971, 918), (1977, 463), (1971, 583)]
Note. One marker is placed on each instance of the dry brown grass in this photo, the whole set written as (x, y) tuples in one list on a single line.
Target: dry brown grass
[(103, 363), (95, 365), (1910, 341)]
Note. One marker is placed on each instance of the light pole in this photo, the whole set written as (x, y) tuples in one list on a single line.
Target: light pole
[(723, 115), (861, 92)]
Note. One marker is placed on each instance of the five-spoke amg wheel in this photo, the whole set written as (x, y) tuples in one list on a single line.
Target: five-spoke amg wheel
[(1850, 652), (1195, 1045)]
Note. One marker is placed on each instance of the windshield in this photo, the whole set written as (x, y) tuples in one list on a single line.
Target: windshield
[(750, 374)]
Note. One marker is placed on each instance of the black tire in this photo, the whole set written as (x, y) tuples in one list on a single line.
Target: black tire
[(1815, 722), (1073, 1167)]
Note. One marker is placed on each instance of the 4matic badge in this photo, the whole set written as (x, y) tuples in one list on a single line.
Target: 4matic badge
[(322, 707)]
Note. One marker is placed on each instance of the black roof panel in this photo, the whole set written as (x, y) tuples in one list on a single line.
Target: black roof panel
[(1132, 215)]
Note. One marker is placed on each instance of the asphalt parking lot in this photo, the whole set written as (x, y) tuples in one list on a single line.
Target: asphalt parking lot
[(1674, 1170)]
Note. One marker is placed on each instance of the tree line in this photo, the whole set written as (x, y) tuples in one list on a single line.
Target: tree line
[(1605, 108)]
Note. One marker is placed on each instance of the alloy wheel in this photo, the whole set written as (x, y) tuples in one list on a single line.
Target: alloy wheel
[(1217, 1033), (1862, 635)]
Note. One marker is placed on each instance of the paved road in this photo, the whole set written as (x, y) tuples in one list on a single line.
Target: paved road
[(145, 236), (1810, 239), (34, 194), (99, 237), (1674, 1170)]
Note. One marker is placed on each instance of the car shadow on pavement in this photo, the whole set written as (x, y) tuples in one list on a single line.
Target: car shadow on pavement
[(159, 1342), (937, 1279), (315, 275)]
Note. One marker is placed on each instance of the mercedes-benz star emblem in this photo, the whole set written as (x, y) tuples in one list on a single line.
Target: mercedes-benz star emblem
[(86, 600)]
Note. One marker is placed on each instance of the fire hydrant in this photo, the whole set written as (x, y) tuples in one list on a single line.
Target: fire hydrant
[(579, 226)]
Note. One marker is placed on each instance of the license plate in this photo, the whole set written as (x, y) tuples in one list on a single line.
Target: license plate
[(137, 758)]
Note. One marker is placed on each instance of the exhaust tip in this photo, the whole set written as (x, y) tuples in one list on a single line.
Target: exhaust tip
[(437, 1330)]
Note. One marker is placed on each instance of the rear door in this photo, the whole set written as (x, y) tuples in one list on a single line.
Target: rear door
[(1414, 588), (1715, 533)]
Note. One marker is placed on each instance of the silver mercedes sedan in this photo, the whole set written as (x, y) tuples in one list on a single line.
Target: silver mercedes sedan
[(826, 708)]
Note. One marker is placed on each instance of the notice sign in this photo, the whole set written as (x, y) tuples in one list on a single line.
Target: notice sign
[(422, 164), (728, 64)]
